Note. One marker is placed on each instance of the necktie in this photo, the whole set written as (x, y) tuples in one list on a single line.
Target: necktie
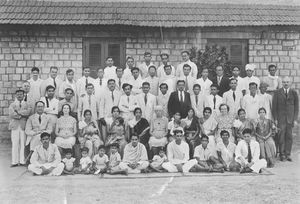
[(40, 119), (20, 104), (54, 82), (25, 97), (100, 82), (90, 101), (286, 93), (181, 96), (47, 102), (249, 153), (120, 84), (196, 99), (218, 81), (186, 84), (128, 99), (145, 99), (215, 102), (112, 96), (233, 96), (86, 81)]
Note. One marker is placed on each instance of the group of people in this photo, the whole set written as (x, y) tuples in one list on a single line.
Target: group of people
[(146, 118)]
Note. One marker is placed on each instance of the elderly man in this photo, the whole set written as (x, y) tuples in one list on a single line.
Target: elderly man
[(135, 156), (285, 112), (46, 159)]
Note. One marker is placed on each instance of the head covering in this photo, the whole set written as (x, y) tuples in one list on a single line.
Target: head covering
[(158, 108), (178, 129), (250, 67)]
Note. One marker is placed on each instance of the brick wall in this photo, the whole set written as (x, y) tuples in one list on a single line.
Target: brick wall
[(22, 48)]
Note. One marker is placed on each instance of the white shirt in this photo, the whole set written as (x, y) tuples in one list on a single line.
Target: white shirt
[(162, 100), (173, 149), (240, 84), (242, 150), (85, 161), (81, 83), (127, 74), (153, 81), (99, 89), (88, 102), (205, 85), (198, 107), (227, 153), (179, 95), (161, 71), (147, 109), (127, 105), (194, 70), (50, 81), (136, 85), (234, 105), (202, 154), (170, 80), (107, 102), (210, 103), (266, 102), (51, 107), (144, 69), (251, 105), (110, 72), (35, 89), (189, 82), (247, 80)]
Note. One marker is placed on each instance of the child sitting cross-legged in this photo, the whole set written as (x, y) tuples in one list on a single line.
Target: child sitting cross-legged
[(100, 161), (114, 161), (85, 162), (158, 160), (69, 162)]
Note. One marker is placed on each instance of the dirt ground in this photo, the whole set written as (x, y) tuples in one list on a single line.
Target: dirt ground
[(280, 185)]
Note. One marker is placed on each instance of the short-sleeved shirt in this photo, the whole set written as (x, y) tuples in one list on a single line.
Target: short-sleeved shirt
[(158, 161), (69, 163), (114, 159), (201, 153), (85, 161), (226, 152), (100, 161)]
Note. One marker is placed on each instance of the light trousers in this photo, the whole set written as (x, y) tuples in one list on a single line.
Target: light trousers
[(18, 139), (55, 172), (258, 165), (142, 165), (185, 167)]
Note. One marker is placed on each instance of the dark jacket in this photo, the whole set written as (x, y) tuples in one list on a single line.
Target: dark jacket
[(174, 104), (224, 84)]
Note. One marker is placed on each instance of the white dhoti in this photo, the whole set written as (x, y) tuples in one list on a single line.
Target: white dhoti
[(258, 165), (18, 139), (142, 165), (185, 167), (38, 170), (212, 145)]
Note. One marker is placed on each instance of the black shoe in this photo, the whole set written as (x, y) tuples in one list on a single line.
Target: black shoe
[(13, 165), (281, 158), (243, 170), (289, 158)]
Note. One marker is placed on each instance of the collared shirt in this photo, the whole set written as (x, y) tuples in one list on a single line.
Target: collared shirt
[(108, 100), (178, 154), (189, 82), (24, 109), (170, 80), (247, 80), (136, 85), (181, 95), (51, 105), (227, 152), (147, 109), (198, 107), (127, 74), (162, 100), (118, 85), (153, 81), (251, 105), (127, 103), (48, 82), (100, 161), (42, 156), (242, 150), (240, 84), (110, 72), (99, 89), (201, 153), (144, 69), (35, 89), (70, 103), (67, 84), (194, 70), (88, 102), (81, 83), (161, 71), (214, 106), (205, 85), (234, 105), (274, 82), (33, 125)]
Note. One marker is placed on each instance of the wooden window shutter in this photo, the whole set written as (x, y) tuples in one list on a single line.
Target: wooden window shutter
[(94, 55)]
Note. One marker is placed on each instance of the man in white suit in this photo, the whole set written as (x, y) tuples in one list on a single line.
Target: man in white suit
[(127, 102), (83, 81), (189, 80), (146, 101), (198, 100), (186, 60), (233, 97)]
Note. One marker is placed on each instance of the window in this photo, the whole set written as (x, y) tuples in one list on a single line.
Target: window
[(237, 51), (96, 50)]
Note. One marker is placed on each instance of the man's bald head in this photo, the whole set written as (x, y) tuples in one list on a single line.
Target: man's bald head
[(286, 82)]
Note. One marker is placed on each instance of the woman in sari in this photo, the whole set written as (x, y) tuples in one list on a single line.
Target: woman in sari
[(208, 126), (241, 124), (264, 135), (140, 126), (89, 133), (65, 130), (225, 122), (192, 130)]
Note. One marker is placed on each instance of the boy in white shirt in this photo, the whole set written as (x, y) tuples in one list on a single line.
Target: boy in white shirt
[(204, 82), (110, 69), (100, 161), (69, 162)]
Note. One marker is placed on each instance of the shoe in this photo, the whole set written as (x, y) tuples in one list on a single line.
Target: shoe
[(13, 165), (22, 165), (281, 158), (288, 158), (243, 170), (97, 172)]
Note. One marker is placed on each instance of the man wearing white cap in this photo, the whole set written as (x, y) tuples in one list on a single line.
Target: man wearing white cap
[(250, 78)]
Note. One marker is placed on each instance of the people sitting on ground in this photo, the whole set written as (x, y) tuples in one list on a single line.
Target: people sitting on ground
[(178, 154), (264, 136), (114, 161), (100, 162), (46, 159), (247, 154), (85, 162), (66, 129), (204, 159), (226, 152), (158, 131), (69, 162), (135, 157), (158, 160), (89, 135)]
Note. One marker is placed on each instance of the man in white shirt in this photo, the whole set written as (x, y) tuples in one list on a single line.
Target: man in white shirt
[(274, 82), (198, 100), (186, 60), (187, 78), (127, 102), (88, 101), (168, 79), (83, 81), (163, 98), (146, 101), (251, 102), (204, 82), (35, 84), (233, 97), (240, 81), (120, 80), (266, 99), (153, 80), (53, 80), (178, 154), (250, 78), (46, 159), (110, 69), (100, 84), (129, 65), (69, 83), (145, 65), (214, 100), (136, 81), (247, 154), (161, 70)]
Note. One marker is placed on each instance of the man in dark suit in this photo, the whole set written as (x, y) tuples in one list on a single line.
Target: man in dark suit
[(221, 80), (285, 111), (179, 100)]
